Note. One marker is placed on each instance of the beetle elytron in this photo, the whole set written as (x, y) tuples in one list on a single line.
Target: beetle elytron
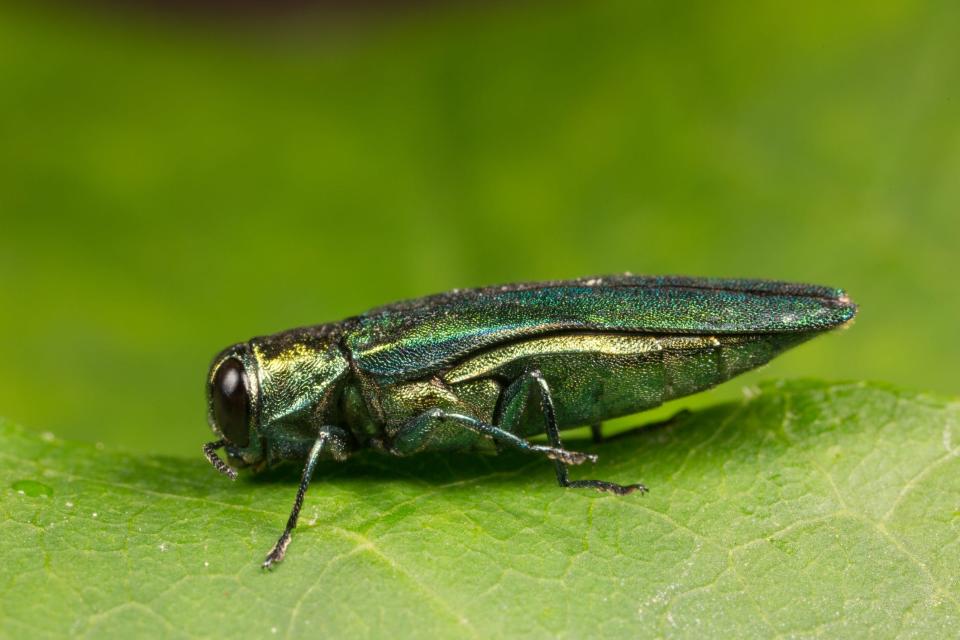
[(489, 367)]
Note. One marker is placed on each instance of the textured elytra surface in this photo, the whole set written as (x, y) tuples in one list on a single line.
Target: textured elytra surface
[(409, 338), (808, 509)]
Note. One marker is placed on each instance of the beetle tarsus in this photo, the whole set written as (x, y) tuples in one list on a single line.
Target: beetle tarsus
[(607, 487), (278, 552), (210, 453), (568, 457)]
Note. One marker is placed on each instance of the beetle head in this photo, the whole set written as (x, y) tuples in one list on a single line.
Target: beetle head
[(233, 403), (268, 398)]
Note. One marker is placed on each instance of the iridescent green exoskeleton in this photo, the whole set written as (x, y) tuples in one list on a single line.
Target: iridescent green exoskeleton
[(488, 368)]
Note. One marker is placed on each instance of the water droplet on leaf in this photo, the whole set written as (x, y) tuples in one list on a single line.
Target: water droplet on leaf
[(32, 488)]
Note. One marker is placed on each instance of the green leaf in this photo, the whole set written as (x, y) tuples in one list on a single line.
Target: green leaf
[(808, 509)]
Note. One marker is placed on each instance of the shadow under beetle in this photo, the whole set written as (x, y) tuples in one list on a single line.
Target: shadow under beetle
[(490, 367)]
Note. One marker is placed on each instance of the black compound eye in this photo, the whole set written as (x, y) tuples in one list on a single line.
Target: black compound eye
[(231, 406)]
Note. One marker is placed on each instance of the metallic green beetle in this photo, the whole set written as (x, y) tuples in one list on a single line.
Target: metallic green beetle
[(482, 368)]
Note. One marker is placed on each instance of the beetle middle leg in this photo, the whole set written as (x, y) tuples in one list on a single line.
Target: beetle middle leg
[(511, 412)]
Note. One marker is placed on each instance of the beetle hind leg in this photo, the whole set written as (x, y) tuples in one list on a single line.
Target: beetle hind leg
[(416, 435), (596, 432), (606, 487), (511, 411)]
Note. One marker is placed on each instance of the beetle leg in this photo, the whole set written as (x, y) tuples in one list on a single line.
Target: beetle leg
[(329, 440), (413, 435), (511, 411), (210, 452), (596, 432)]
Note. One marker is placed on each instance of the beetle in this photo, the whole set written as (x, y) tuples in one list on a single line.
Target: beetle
[(490, 367)]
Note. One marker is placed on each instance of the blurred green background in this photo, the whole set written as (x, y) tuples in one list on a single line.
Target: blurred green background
[(168, 187)]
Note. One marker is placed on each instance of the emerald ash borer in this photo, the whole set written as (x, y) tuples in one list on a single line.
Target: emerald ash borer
[(489, 368)]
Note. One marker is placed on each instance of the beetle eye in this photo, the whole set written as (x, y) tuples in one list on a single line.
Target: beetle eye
[(231, 406)]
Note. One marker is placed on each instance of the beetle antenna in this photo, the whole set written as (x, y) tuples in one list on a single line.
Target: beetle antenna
[(210, 452)]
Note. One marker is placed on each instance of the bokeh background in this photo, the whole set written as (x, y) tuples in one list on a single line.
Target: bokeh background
[(173, 182)]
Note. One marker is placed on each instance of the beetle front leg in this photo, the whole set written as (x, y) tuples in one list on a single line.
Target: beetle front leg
[(511, 411), (330, 440)]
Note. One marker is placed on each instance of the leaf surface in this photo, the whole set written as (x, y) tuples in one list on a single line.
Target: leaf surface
[(808, 509)]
